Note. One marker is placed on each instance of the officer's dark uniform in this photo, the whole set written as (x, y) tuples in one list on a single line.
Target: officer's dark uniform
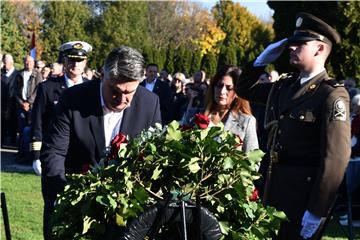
[(48, 95), (309, 137)]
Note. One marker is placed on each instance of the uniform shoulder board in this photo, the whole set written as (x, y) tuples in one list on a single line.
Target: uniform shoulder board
[(335, 83), (285, 76)]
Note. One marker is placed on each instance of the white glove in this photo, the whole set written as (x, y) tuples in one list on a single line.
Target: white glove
[(271, 53), (37, 167), (310, 224)]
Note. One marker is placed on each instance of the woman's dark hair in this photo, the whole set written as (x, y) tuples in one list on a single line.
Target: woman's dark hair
[(239, 104)]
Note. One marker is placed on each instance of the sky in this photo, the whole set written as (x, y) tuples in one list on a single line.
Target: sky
[(256, 7)]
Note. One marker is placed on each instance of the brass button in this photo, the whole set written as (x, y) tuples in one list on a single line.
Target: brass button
[(272, 108), (302, 117), (281, 116), (308, 179)]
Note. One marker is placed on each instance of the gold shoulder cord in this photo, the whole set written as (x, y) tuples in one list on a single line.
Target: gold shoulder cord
[(273, 126)]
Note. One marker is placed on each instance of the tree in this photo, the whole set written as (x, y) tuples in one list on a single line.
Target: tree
[(63, 22), (12, 40), (119, 23), (196, 62), (209, 64), (245, 33), (169, 64), (348, 54)]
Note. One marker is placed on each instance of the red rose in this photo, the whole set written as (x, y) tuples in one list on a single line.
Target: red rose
[(254, 195), (115, 146), (201, 121), (85, 168), (185, 127)]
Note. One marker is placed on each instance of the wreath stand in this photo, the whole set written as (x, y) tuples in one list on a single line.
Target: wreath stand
[(177, 210)]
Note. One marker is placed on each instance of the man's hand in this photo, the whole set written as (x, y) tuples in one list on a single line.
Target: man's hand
[(37, 167), (271, 53), (25, 106), (310, 224)]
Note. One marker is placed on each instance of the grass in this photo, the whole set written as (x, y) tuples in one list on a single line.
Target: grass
[(25, 207)]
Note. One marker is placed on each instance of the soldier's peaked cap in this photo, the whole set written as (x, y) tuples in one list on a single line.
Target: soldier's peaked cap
[(77, 50), (309, 27)]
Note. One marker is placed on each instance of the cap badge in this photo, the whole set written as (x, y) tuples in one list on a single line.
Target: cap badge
[(78, 46), (312, 86), (299, 21)]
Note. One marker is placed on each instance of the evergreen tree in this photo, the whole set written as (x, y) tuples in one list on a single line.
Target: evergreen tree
[(209, 64), (196, 62), (169, 64), (12, 40), (63, 22), (347, 56)]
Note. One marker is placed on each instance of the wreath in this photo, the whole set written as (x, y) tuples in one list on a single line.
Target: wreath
[(199, 164)]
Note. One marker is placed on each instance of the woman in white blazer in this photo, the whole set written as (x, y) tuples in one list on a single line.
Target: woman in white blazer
[(223, 105)]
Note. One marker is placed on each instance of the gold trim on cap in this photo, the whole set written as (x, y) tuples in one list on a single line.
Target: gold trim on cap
[(76, 56), (77, 46), (35, 146)]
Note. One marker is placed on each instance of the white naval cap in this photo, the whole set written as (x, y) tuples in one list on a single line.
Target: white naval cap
[(76, 49)]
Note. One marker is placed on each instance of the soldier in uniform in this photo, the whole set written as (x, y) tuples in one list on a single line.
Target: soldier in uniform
[(307, 114)]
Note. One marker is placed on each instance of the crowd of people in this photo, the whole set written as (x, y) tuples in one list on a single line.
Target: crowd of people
[(61, 115)]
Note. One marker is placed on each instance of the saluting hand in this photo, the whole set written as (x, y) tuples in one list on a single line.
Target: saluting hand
[(271, 53)]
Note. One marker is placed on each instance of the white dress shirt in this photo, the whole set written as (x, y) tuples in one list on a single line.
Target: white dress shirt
[(150, 86), (70, 83), (9, 72), (26, 78), (112, 121)]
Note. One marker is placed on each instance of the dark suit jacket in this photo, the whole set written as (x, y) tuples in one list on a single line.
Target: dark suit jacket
[(77, 133), (164, 92)]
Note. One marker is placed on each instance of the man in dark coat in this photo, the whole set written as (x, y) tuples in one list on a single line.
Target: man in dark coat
[(8, 103), (89, 115), (162, 89), (27, 82), (49, 92), (308, 117)]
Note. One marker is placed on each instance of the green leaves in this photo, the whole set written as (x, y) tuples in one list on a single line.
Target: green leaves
[(193, 162)]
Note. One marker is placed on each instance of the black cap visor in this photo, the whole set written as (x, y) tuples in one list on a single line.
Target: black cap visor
[(305, 36)]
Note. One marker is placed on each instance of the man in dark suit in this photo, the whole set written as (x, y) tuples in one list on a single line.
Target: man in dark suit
[(8, 104), (89, 115), (162, 89), (49, 92), (308, 117)]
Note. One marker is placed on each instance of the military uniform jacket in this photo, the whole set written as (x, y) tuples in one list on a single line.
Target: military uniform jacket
[(312, 138), (48, 95)]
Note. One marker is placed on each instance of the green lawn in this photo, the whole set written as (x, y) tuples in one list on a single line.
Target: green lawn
[(25, 207)]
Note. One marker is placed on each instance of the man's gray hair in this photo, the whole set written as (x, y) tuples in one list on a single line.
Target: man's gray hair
[(124, 62)]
